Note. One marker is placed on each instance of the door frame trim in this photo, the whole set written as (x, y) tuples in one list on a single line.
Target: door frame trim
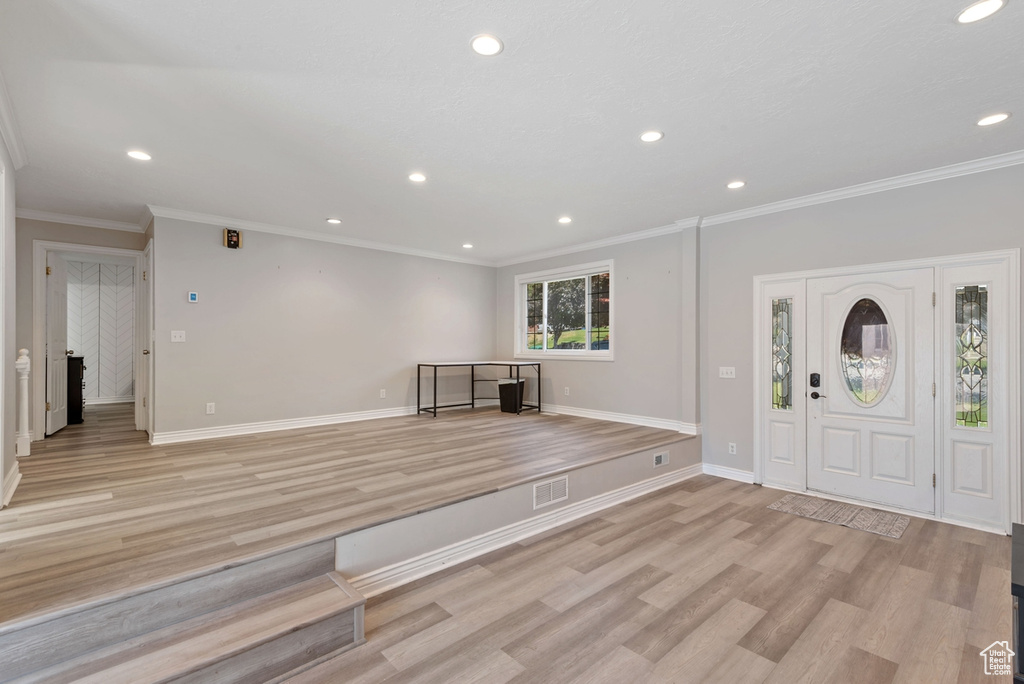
[(797, 280), (40, 248)]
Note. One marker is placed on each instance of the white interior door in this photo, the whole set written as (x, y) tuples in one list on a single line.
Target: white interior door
[(871, 420), (56, 343)]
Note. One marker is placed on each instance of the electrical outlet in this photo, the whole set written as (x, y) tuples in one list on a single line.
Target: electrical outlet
[(726, 372), (211, 408), (177, 336), (660, 459), (566, 391), (383, 394), (732, 447)]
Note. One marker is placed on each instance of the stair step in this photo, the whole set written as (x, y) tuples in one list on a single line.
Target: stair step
[(36, 643), (239, 643)]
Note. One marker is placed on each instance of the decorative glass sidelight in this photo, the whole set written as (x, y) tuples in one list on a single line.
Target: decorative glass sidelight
[(600, 306), (867, 350), (782, 354), (971, 381)]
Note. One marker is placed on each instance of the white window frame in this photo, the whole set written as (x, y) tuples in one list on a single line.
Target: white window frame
[(565, 273)]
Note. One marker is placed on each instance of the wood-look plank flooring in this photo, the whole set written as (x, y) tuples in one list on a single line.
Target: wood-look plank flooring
[(100, 511), (699, 582)]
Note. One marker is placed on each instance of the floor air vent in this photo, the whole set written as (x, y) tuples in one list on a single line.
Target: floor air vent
[(553, 491)]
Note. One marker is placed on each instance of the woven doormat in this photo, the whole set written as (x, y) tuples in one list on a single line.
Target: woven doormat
[(855, 517)]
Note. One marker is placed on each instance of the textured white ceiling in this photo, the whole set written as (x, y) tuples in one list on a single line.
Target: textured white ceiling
[(286, 112)]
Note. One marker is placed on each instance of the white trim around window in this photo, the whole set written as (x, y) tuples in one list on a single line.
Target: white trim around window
[(564, 273)]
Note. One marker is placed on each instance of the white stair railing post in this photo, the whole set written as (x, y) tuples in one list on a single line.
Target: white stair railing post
[(23, 365)]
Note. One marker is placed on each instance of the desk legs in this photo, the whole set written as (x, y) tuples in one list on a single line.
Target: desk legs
[(472, 388), (538, 387), (520, 393)]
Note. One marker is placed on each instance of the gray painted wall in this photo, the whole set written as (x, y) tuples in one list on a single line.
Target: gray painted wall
[(974, 213), (29, 230), (8, 347), (653, 374), (288, 328), (689, 347)]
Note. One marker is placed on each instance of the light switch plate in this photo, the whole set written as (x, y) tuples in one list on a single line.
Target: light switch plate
[(177, 336)]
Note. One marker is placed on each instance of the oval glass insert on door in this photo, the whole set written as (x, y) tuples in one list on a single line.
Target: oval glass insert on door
[(867, 352)]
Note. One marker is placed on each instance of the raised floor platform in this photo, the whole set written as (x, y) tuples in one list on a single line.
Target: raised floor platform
[(108, 538)]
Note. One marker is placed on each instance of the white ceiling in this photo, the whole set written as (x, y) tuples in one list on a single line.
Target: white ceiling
[(286, 112)]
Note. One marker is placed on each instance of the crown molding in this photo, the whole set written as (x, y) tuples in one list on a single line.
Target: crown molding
[(941, 173), (9, 130), (70, 220), (676, 227), (146, 218), (242, 224)]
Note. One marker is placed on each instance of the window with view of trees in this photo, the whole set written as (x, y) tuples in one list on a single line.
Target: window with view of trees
[(569, 314)]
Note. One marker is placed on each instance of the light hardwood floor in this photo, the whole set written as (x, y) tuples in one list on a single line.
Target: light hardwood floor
[(697, 583), (100, 511)]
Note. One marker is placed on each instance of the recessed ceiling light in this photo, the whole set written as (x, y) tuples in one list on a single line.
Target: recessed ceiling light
[(417, 177), (980, 10), (467, 246), (736, 185), (651, 136), (486, 45), (994, 119), (334, 220), (565, 219), (139, 154)]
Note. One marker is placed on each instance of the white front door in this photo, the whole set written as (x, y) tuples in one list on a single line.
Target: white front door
[(56, 343), (871, 418)]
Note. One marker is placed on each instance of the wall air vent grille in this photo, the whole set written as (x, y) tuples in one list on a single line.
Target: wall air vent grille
[(553, 491)]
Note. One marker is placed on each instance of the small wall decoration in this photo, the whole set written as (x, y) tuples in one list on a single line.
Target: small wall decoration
[(232, 238)]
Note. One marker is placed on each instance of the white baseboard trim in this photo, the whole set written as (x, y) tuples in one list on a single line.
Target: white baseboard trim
[(729, 473), (11, 481), (397, 574), (159, 438), (274, 425), (663, 423), (23, 445), (89, 401)]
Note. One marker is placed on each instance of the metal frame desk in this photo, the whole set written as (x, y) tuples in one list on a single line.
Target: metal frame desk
[(473, 365)]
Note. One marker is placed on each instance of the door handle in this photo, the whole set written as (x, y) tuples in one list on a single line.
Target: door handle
[(69, 352), (815, 395), (145, 351)]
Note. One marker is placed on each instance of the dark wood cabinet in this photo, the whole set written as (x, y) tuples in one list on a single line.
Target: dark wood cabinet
[(76, 385)]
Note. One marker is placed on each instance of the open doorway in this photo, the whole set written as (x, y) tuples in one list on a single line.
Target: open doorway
[(89, 304)]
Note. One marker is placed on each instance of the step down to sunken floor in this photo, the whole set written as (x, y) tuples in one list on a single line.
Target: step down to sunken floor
[(220, 611), (254, 641)]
